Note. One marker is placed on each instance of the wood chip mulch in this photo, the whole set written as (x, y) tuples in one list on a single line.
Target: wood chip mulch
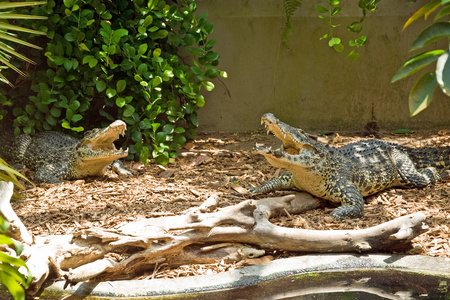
[(222, 163)]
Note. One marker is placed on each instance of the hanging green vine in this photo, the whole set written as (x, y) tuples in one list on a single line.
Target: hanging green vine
[(327, 13)]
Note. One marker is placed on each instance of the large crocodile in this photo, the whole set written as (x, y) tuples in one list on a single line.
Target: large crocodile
[(56, 156), (346, 174)]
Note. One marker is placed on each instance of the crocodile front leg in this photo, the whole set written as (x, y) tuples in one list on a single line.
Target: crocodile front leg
[(282, 182), (306, 159), (51, 173), (118, 167), (351, 199)]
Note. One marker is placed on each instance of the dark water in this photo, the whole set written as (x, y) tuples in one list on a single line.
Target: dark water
[(351, 285)]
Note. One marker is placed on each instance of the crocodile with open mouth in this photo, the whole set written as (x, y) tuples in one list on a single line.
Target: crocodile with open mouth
[(346, 174), (56, 156)]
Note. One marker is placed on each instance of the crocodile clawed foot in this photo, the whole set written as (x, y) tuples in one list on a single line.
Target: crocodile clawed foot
[(447, 174), (251, 189), (118, 167), (346, 212)]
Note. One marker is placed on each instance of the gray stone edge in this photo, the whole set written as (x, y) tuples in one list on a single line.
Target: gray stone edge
[(255, 274)]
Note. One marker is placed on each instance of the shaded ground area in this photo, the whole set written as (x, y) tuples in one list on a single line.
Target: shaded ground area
[(222, 164)]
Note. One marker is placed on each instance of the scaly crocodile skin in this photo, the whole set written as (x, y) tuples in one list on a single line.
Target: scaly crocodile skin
[(346, 174), (56, 156)]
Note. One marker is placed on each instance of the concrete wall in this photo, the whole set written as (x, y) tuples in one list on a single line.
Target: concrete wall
[(308, 85)]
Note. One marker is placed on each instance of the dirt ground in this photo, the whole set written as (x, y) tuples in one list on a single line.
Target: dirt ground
[(220, 163)]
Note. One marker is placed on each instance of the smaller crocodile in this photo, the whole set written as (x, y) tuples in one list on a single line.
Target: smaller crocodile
[(346, 174), (56, 156)]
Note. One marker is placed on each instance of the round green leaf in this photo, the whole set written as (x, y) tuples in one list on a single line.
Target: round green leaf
[(136, 136), (212, 56), (194, 119), (30, 109), (161, 34), (129, 110), (147, 21), (120, 85), (51, 120), (69, 37), (68, 3), (120, 102), (160, 137), (168, 128), (100, 85), (56, 112), (145, 124), (157, 52), (111, 92), (200, 101), (209, 86), (334, 41), (162, 159), (179, 130), (118, 34), (338, 47), (76, 118), (142, 69), (156, 81), (189, 39), (142, 49), (68, 64)]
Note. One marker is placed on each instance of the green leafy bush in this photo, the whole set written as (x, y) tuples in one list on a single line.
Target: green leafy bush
[(145, 62)]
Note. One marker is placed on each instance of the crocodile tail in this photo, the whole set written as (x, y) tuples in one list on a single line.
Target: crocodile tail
[(429, 157)]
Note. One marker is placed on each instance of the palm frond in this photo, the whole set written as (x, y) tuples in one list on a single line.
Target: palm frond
[(10, 174), (290, 6), (7, 15), (4, 80), (9, 37), (6, 51), (6, 26), (6, 62), (9, 5)]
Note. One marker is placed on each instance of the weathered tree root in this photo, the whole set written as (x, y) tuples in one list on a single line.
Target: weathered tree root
[(204, 235), (17, 229)]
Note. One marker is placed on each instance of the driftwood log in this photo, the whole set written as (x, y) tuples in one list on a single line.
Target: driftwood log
[(204, 234)]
